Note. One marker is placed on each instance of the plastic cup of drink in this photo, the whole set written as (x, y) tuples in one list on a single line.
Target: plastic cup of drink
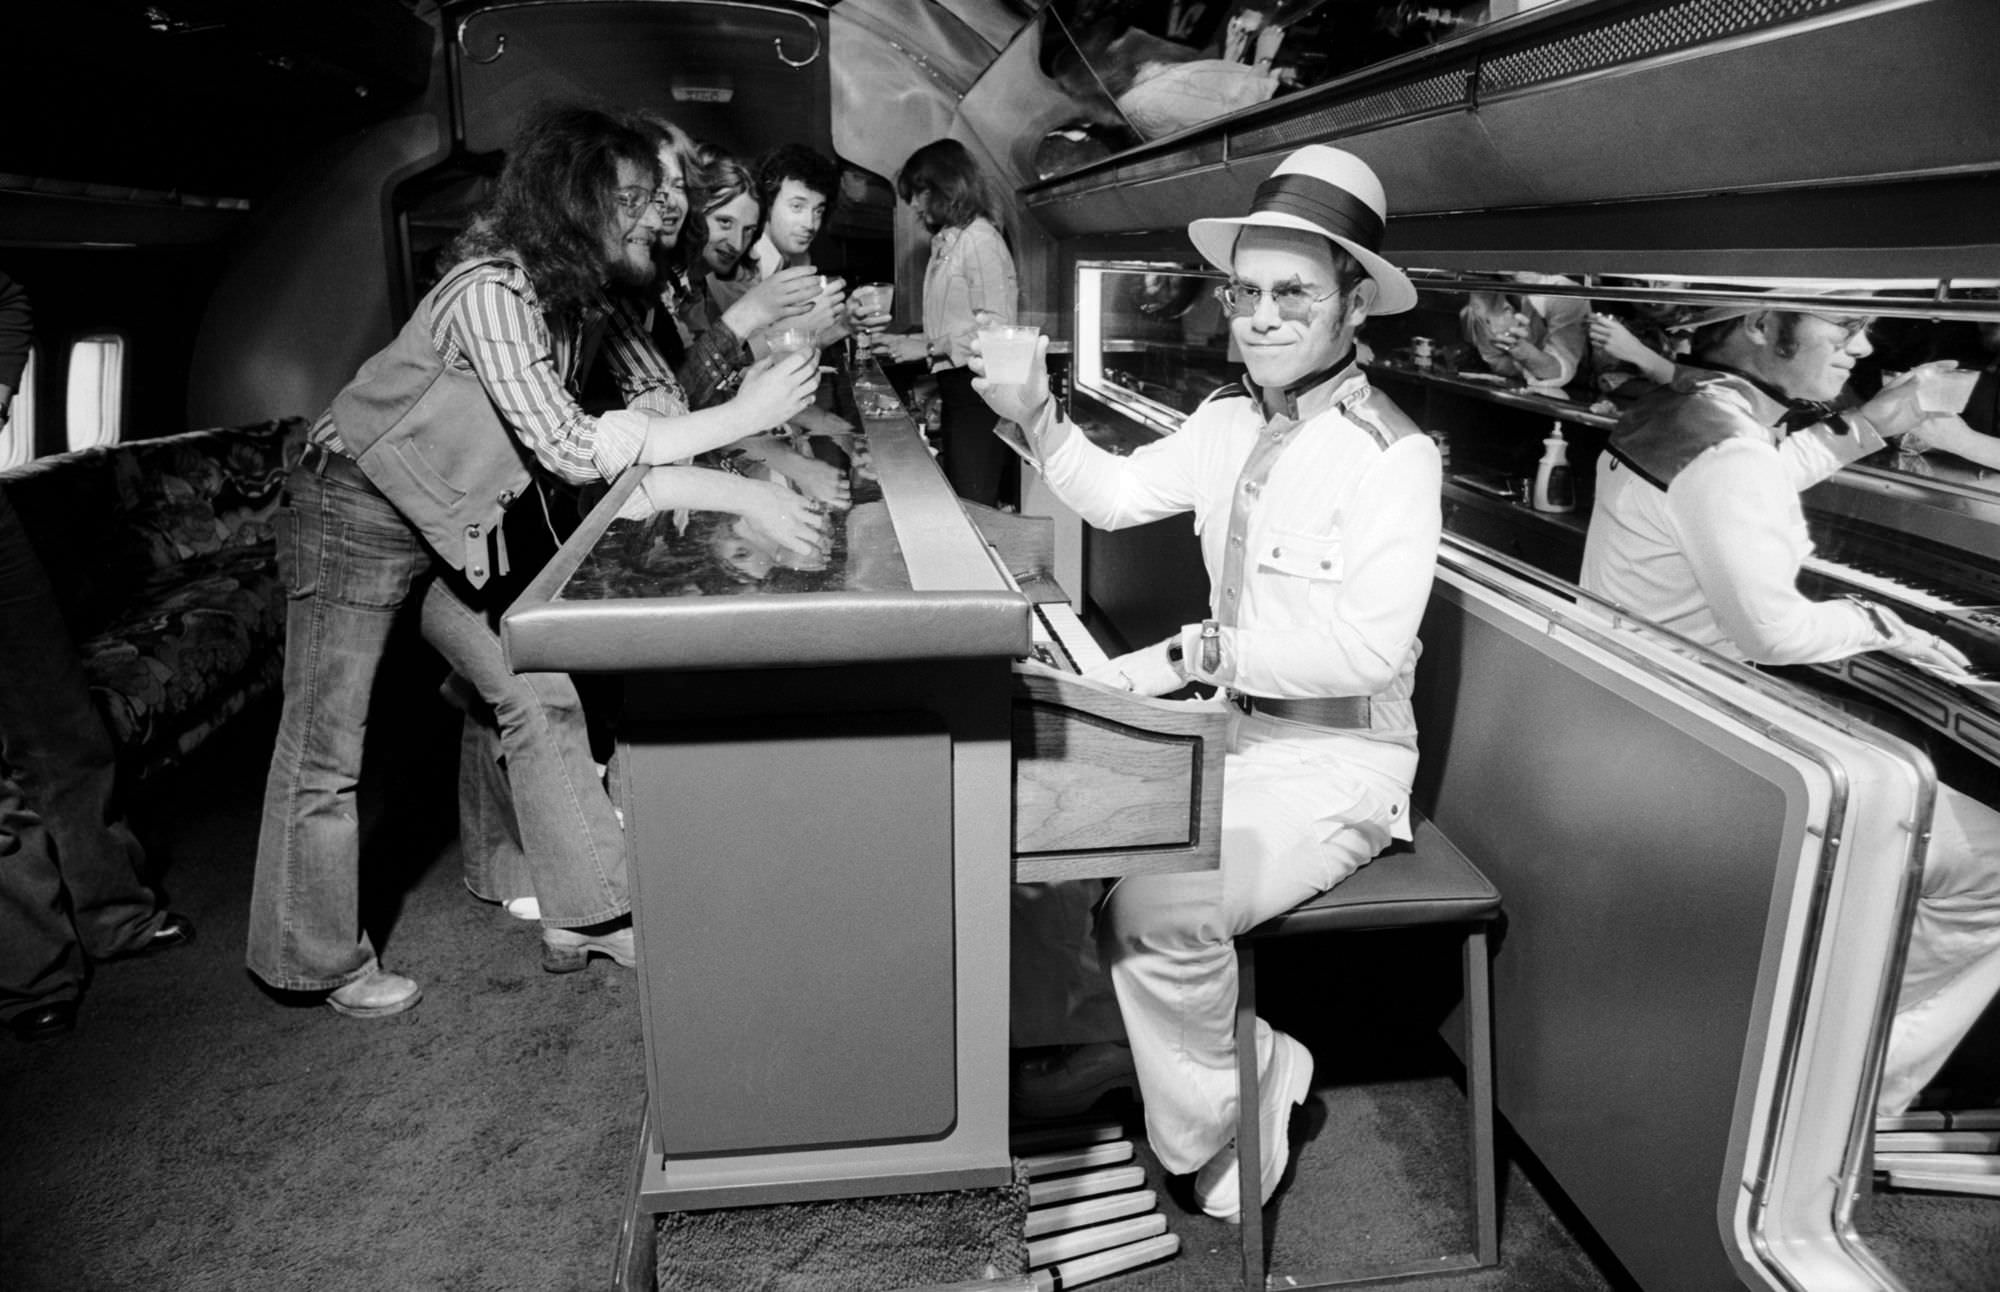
[(1946, 391), (1009, 349), (786, 340), (872, 298)]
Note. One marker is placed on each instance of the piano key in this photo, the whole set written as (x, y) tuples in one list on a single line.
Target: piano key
[(1049, 1139), (1966, 1141), (1043, 1165), (1088, 1211), (1941, 1119), (1881, 585), (1081, 1242), (1940, 1163), (1102, 1265), (1985, 1186), (1112, 1179)]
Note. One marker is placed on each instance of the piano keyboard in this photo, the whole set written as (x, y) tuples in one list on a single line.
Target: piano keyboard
[(1061, 641), (1884, 587)]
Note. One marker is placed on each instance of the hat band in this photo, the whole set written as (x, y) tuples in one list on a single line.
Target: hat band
[(1334, 209)]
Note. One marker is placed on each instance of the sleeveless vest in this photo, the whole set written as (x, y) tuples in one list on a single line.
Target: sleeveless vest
[(428, 437)]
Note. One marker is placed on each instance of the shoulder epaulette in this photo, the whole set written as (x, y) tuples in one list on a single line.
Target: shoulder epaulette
[(1377, 414), (1228, 390)]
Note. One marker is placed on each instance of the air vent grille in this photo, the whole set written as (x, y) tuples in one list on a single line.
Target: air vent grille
[(1628, 40), (1416, 98)]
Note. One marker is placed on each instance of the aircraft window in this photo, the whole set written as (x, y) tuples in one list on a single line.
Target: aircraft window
[(96, 390), (17, 437)]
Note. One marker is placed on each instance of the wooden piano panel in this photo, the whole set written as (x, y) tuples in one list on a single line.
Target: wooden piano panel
[(1107, 783)]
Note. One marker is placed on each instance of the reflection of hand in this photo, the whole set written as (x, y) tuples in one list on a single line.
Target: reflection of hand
[(1898, 407), (1020, 403), (1931, 652), (819, 421), (1146, 671), (1613, 338), (781, 518), (813, 477)]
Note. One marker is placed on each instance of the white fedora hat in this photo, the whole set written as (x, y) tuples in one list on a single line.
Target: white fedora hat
[(1323, 190)]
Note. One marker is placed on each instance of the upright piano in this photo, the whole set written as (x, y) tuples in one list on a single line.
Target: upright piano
[(830, 778)]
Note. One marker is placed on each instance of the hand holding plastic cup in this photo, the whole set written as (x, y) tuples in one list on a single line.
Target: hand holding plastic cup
[(869, 304), (1009, 351), (1945, 390)]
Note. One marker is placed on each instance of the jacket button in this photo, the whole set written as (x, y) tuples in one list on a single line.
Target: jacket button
[(1326, 565), (477, 571), (1277, 551), (472, 531)]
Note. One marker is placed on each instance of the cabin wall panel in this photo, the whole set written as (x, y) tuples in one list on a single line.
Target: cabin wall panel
[(307, 298)]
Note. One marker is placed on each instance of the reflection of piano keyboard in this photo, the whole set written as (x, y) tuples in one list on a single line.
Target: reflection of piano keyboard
[(1089, 1214), (1971, 626), (1061, 641)]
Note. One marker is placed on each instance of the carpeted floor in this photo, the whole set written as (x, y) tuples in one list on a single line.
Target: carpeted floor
[(196, 1133)]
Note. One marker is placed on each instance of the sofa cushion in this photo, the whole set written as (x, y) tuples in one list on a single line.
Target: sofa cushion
[(105, 520), (195, 644)]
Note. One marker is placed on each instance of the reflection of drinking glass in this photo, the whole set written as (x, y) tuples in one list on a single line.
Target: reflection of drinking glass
[(1010, 351)]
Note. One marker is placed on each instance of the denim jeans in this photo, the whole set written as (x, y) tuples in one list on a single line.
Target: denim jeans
[(350, 564), (572, 845), (71, 872)]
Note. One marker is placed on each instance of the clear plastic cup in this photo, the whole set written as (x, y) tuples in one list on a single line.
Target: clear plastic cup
[(873, 298), (1009, 349), (1946, 391), (783, 340)]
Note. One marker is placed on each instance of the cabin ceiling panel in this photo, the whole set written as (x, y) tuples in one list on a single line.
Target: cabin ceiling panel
[(211, 97), (1859, 99), (746, 76)]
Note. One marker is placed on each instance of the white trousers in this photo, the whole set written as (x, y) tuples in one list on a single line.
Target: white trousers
[(1295, 822), (1954, 962)]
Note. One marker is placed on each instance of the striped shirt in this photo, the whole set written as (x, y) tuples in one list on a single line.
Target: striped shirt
[(488, 321)]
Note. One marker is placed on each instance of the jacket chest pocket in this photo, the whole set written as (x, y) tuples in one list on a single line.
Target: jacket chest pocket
[(1305, 569)]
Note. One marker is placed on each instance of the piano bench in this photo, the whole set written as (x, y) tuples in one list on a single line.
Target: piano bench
[(1425, 883)]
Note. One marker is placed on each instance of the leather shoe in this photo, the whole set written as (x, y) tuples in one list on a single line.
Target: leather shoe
[(1070, 1083), (172, 931), (1285, 1081), (376, 995), (44, 1022), (568, 950)]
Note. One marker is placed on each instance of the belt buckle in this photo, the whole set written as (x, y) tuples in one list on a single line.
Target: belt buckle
[(1241, 701)]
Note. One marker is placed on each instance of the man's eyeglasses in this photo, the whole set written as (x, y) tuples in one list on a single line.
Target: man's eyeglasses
[(1850, 325), (1295, 301), (634, 200)]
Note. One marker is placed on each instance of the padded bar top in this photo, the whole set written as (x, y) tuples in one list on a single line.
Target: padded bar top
[(1427, 881), (777, 632), (956, 604)]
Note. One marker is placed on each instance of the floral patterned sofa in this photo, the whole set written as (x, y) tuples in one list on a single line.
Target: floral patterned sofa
[(162, 558)]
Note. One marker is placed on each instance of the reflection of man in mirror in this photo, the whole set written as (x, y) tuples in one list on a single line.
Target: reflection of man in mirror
[(1698, 527)]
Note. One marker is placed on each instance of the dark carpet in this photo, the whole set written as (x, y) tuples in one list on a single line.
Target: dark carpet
[(198, 1133)]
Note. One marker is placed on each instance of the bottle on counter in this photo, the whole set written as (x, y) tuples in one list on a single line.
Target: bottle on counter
[(1554, 489)]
